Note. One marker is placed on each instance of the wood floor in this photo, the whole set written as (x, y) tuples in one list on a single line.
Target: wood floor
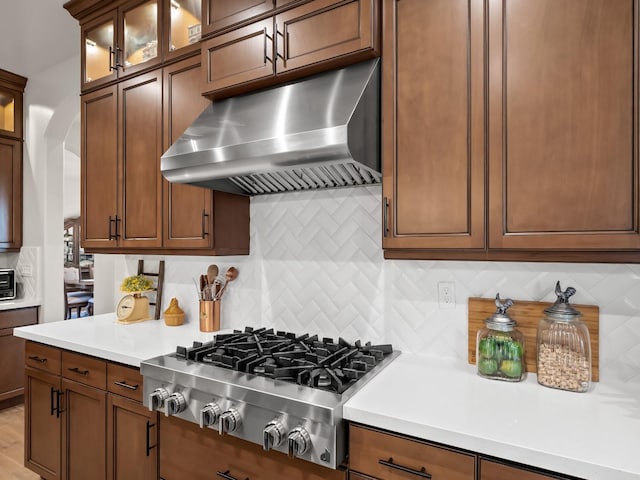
[(12, 445)]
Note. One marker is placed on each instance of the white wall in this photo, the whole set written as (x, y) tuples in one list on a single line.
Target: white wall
[(316, 265)]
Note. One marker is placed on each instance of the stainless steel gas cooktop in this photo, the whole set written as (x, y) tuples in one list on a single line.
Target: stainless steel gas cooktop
[(278, 389)]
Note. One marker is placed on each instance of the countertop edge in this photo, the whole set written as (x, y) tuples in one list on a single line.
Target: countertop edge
[(19, 303)]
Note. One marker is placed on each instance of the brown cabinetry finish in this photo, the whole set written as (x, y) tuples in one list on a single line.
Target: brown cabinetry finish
[(43, 357), (87, 370), (367, 447), (42, 445), (497, 471), (187, 451), (131, 440), (326, 29), (433, 124), (12, 352), (220, 14), (563, 127), (10, 194), (125, 381)]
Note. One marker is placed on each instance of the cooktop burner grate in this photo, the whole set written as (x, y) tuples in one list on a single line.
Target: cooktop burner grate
[(302, 359)]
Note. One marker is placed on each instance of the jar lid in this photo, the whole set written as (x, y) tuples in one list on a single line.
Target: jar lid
[(501, 319), (562, 309)]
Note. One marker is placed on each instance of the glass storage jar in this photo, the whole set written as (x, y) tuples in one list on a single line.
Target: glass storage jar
[(564, 347), (500, 346)]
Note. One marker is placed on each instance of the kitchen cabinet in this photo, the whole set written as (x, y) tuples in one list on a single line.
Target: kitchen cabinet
[(11, 138), (187, 451), (302, 40), (11, 353), (517, 180), (220, 14), (491, 470), (84, 418)]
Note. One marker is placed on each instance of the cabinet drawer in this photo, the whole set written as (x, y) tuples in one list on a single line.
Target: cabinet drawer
[(83, 369), (42, 357), (125, 381), (498, 471), (18, 318), (393, 457)]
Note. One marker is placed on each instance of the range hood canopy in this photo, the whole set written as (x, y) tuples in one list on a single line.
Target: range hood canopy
[(320, 132)]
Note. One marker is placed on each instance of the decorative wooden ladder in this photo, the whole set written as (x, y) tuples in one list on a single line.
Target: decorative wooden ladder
[(159, 284)]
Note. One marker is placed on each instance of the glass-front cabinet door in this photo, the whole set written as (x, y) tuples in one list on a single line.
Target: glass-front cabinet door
[(7, 111), (140, 35), (184, 26), (100, 55)]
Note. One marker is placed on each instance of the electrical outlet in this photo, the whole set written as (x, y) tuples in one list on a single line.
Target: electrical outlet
[(446, 294), (26, 270)]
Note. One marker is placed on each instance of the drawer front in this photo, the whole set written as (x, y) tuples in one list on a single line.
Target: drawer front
[(42, 357), (125, 381), (83, 369), (18, 318), (392, 457)]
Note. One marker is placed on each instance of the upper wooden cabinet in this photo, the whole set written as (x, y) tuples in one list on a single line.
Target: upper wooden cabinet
[(305, 39), (220, 14), (11, 93), (558, 176)]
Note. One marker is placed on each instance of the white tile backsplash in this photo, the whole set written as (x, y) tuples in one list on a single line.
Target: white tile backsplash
[(317, 265)]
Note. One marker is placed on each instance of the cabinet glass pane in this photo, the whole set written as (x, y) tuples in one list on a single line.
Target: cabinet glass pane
[(185, 23), (98, 41), (7, 105), (141, 33)]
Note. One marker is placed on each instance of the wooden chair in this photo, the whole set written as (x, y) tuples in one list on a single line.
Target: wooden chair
[(75, 299)]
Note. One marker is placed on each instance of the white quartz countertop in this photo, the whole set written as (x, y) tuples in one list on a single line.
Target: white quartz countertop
[(102, 337), (19, 303), (593, 435)]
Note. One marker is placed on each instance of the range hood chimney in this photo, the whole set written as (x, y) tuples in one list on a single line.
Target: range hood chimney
[(319, 132)]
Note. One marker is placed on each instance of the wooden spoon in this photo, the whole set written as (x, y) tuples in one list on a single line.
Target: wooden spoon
[(231, 274), (212, 273)]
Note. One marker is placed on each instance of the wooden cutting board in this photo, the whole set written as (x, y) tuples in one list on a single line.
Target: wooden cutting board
[(528, 315)]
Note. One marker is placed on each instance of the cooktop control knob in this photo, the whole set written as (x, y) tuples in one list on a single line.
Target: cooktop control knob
[(299, 442), (273, 435), (157, 398), (229, 421), (209, 414), (176, 403)]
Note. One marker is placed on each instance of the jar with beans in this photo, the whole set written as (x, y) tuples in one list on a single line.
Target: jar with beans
[(563, 346)]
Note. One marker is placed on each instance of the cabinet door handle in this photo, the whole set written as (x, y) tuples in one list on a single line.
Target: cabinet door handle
[(112, 53), (205, 215), (112, 221), (385, 217), (58, 409), (36, 358), (118, 220), (267, 37), (285, 42), (148, 446), (118, 64), (422, 473), (84, 373), (53, 408), (126, 385), (227, 476)]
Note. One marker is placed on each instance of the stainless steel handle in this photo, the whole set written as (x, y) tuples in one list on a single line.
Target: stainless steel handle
[(267, 37), (149, 447), (111, 235), (117, 235), (422, 473), (126, 385), (285, 42), (36, 358), (118, 64), (84, 373), (385, 217), (112, 52), (227, 476), (205, 215)]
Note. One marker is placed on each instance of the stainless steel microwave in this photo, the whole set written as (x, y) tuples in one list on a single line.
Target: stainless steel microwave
[(7, 284)]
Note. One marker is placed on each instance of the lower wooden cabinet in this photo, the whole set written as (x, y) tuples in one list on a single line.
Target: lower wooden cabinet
[(76, 427), (11, 352), (490, 470), (187, 451)]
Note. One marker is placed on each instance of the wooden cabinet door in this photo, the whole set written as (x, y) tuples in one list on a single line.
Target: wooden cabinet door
[(84, 432), (132, 438), (563, 125), (497, 471), (10, 194), (187, 209), (140, 35), (326, 30), (240, 57), (139, 151), (12, 358), (99, 168), (433, 124), (42, 442), (98, 51), (220, 14)]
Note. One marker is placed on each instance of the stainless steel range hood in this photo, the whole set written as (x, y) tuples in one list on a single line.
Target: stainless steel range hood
[(320, 132)]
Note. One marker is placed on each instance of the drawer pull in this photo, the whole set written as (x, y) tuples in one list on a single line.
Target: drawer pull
[(124, 384), (422, 473), (149, 446), (78, 371), (226, 475), (36, 358)]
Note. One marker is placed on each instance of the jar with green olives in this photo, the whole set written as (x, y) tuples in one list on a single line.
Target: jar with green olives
[(500, 346)]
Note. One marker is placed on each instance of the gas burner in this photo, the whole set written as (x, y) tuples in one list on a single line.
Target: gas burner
[(304, 360)]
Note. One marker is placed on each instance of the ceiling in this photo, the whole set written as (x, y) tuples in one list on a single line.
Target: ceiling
[(36, 35)]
